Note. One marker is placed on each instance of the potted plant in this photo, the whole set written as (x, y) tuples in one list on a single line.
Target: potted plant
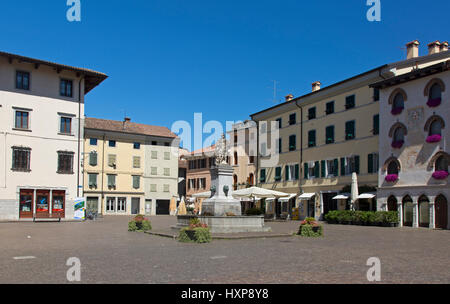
[(434, 138), (139, 223), (197, 232), (310, 228), (393, 218), (391, 178), (440, 175)]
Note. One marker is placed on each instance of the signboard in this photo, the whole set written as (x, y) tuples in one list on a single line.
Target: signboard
[(79, 208)]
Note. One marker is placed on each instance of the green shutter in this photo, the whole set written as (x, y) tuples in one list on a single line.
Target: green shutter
[(357, 164), (136, 182), (370, 163), (297, 171), (376, 124), (342, 166), (317, 169), (306, 170), (262, 178), (93, 159), (323, 168), (277, 173), (286, 170)]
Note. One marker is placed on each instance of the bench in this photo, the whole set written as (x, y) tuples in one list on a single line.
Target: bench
[(47, 217)]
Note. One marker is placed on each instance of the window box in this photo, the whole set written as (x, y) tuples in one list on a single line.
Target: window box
[(440, 175), (397, 111), (397, 144), (434, 102), (391, 178), (434, 138)]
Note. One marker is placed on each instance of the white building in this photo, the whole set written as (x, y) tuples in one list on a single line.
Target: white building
[(415, 147), (41, 104)]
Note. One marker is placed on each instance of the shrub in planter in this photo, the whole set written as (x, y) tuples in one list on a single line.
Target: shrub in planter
[(440, 175), (358, 218), (253, 211), (139, 223), (332, 217), (434, 138), (310, 228), (392, 218), (391, 178), (197, 232)]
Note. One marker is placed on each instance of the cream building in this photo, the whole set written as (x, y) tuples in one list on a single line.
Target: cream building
[(41, 106), (323, 137), (414, 147), (129, 168)]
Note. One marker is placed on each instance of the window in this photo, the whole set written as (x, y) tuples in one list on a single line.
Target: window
[(236, 159), (166, 171), (330, 108), (376, 94), (292, 143), (110, 204), (398, 105), (65, 125), (154, 154), (312, 113), (111, 181), (251, 159), (153, 188), (329, 135), (372, 163), (65, 162), (350, 102), (393, 168), (154, 170), (121, 204), (350, 165), (332, 168), (376, 125), (166, 188), (167, 155), (203, 183), (154, 143), (262, 175), (22, 80), (292, 119), (263, 149), (93, 158), (436, 128), (65, 88), (112, 143), (312, 138), (441, 164), (278, 174), (93, 141), (112, 160), (21, 159), (399, 135), (350, 130), (263, 128), (436, 91), (136, 146), (279, 123), (167, 144), (92, 180), (136, 161), (136, 181), (292, 172), (22, 119), (280, 145), (312, 170)]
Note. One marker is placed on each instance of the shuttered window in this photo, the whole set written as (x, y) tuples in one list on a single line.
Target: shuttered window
[(286, 171), (278, 174), (93, 180), (350, 102), (112, 160), (329, 132), (136, 182), (323, 169), (350, 130), (262, 177), (93, 159), (111, 181), (317, 169), (305, 171), (312, 138), (136, 161), (376, 124), (297, 171), (292, 143)]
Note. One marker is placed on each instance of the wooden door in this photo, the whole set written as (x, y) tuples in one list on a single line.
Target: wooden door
[(441, 212), (42, 203), (26, 201), (59, 204)]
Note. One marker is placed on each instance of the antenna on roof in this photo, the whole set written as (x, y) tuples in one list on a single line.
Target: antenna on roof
[(275, 91)]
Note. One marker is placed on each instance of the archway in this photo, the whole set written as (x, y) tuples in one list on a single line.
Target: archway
[(424, 211), (392, 203), (407, 211), (441, 212)]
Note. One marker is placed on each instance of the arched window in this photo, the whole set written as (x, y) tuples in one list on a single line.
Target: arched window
[(441, 164), (251, 179), (435, 128), (392, 203), (424, 211), (435, 91), (393, 168), (440, 212), (398, 104), (398, 138), (407, 211)]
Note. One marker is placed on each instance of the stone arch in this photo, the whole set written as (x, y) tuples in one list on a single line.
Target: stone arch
[(435, 157), (389, 160), (426, 91), (424, 211), (433, 119), (407, 203), (395, 127), (392, 203), (441, 211), (394, 94)]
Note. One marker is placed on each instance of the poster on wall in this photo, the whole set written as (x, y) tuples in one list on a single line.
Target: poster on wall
[(79, 208)]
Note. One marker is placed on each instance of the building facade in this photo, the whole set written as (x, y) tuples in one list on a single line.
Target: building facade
[(41, 129), (129, 168), (198, 176), (318, 140), (414, 148)]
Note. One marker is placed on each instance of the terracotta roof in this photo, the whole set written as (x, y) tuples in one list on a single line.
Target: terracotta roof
[(127, 127), (92, 78), (204, 150)]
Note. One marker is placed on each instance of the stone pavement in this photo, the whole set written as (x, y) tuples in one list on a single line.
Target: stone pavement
[(37, 253)]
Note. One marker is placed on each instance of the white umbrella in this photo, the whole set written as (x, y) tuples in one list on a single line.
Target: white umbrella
[(202, 195), (354, 193), (254, 192), (182, 207)]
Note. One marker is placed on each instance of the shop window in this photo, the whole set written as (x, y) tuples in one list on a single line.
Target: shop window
[(58, 203), (22, 120), (21, 159), (26, 203), (22, 80), (65, 162), (42, 201)]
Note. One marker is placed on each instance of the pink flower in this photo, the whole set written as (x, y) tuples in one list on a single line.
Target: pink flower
[(434, 138), (440, 175), (391, 178), (396, 111), (397, 144), (432, 103)]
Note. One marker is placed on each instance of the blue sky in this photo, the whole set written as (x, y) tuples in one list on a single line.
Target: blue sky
[(170, 58)]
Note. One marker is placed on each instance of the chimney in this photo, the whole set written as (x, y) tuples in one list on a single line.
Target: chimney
[(125, 121), (289, 97), (434, 47), (316, 86), (444, 46), (412, 49)]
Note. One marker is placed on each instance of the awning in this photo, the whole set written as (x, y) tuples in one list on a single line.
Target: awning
[(286, 199), (341, 196), (366, 196), (306, 196)]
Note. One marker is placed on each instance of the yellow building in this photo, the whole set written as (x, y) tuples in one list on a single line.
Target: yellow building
[(315, 142), (129, 168)]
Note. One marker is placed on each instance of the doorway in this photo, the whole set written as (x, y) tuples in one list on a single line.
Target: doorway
[(329, 204), (92, 204), (162, 207), (392, 203), (441, 212), (407, 211), (26, 203), (42, 203), (135, 205)]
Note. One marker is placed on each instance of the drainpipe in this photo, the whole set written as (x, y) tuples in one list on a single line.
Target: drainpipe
[(300, 176), (103, 173), (79, 136), (5, 133), (257, 154)]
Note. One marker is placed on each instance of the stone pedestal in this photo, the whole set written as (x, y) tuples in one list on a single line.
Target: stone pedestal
[(222, 201)]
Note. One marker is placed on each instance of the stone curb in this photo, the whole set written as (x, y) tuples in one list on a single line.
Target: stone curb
[(240, 237)]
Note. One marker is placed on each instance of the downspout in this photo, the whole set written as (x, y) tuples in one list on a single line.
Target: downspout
[(79, 136), (257, 154), (300, 176), (103, 173), (4, 187)]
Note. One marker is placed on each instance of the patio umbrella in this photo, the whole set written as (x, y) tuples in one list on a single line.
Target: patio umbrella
[(173, 206), (254, 192), (354, 191), (182, 208)]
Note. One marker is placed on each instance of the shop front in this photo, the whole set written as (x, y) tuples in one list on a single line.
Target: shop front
[(41, 203)]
